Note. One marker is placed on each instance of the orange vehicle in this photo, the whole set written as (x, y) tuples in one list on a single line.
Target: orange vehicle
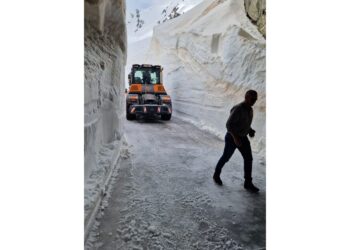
[(146, 95)]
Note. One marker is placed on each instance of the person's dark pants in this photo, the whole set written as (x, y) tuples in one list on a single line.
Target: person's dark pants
[(230, 148)]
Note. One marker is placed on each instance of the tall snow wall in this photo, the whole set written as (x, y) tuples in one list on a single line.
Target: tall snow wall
[(105, 58), (211, 56)]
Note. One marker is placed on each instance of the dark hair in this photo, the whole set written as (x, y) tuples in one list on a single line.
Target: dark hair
[(251, 93)]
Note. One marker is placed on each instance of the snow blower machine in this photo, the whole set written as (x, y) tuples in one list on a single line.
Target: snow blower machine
[(146, 96)]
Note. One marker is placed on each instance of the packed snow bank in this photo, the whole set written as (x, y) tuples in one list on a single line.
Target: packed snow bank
[(212, 55), (105, 57), (140, 29)]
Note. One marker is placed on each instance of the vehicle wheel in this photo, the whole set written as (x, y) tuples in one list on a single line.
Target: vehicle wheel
[(130, 116), (166, 117)]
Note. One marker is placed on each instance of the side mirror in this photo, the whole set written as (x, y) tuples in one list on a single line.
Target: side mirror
[(126, 91)]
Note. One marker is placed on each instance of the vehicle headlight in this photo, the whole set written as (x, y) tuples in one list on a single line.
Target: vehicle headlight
[(133, 98)]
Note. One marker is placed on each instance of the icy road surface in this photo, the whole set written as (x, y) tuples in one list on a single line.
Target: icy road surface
[(163, 196)]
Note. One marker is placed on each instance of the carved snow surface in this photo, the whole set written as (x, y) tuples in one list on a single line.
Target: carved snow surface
[(212, 55), (104, 61)]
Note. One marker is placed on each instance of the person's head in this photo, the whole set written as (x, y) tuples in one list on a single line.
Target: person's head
[(146, 76), (250, 97)]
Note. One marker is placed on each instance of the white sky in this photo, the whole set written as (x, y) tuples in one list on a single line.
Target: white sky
[(131, 5)]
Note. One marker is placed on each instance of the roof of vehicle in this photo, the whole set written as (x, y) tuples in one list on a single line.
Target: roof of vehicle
[(145, 66)]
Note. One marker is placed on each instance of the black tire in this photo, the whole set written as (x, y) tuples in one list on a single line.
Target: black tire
[(130, 116), (165, 117)]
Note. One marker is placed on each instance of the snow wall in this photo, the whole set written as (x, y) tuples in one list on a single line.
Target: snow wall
[(104, 59), (211, 56)]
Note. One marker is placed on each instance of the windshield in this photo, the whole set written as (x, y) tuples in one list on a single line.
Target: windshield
[(146, 76)]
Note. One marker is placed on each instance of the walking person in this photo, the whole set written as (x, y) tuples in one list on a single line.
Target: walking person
[(238, 127)]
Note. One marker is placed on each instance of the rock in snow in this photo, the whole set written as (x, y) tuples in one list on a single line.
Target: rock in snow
[(256, 10)]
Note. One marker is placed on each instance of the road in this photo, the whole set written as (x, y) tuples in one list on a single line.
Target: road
[(163, 196)]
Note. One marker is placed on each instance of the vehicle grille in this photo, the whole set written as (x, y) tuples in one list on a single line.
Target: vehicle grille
[(150, 102)]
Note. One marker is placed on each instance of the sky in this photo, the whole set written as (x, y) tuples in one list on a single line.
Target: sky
[(141, 4), (131, 5)]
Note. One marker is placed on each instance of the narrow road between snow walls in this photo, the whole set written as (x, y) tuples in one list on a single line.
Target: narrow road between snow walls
[(163, 196)]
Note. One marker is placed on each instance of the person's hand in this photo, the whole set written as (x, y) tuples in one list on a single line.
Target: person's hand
[(237, 141), (252, 132)]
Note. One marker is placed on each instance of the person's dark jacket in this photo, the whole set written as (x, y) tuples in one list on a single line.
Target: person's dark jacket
[(240, 119)]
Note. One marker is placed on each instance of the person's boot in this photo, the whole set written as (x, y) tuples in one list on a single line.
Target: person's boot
[(248, 184), (217, 179)]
